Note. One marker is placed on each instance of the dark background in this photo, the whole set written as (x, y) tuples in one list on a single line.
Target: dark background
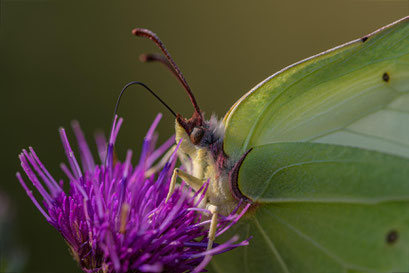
[(65, 60)]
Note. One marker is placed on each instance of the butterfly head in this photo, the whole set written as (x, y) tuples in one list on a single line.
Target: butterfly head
[(195, 132), (192, 131)]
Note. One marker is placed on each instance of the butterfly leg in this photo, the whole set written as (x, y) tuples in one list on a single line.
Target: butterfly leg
[(194, 182), (213, 224)]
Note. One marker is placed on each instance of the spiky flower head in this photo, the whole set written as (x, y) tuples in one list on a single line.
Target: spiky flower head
[(114, 217)]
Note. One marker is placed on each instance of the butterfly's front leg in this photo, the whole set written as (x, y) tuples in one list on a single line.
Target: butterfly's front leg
[(194, 182)]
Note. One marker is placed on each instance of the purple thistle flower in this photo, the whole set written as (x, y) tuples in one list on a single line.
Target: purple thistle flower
[(114, 219)]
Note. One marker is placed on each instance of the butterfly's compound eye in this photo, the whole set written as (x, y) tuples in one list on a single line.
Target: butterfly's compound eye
[(196, 135)]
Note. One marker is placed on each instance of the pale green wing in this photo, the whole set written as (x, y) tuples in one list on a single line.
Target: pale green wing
[(322, 208), (356, 94)]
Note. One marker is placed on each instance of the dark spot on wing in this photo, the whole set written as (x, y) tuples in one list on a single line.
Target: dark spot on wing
[(385, 77), (392, 237), (363, 39)]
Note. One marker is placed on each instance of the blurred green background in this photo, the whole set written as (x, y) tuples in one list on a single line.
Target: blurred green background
[(65, 60)]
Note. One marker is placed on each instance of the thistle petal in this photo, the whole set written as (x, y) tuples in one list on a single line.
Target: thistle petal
[(114, 219)]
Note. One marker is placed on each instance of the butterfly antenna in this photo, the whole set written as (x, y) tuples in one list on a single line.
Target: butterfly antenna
[(154, 57), (141, 32), (147, 88)]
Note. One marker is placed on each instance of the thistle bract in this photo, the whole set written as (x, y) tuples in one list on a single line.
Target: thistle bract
[(114, 216)]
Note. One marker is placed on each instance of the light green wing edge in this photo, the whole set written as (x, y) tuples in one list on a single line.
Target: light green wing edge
[(322, 208), (355, 94)]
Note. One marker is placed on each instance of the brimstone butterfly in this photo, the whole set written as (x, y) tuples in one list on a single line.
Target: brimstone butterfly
[(321, 151)]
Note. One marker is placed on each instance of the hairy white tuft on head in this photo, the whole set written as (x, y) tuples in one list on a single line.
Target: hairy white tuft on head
[(217, 127)]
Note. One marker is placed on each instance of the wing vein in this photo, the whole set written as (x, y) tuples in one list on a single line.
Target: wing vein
[(337, 105), (397, 110), (298, 164), (375, 137), (271, 246), (309, 239), (355, 51), (319, 246), (256, 122)]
